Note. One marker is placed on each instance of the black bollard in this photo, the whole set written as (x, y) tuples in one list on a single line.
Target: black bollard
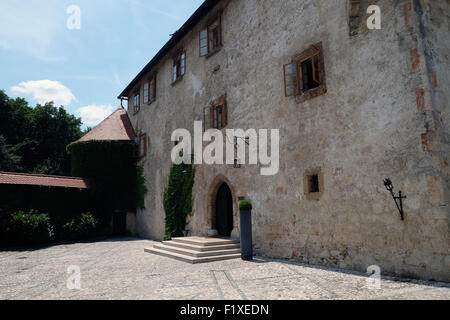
[(245, 209)]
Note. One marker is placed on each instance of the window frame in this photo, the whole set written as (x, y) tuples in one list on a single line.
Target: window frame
[(142, 147), (137, 106), (215, 23), (315, 53), (307, 184), (151, 89), (179, 66), (214, 116)]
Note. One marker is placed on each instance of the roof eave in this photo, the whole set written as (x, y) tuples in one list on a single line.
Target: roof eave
[(206, 6)]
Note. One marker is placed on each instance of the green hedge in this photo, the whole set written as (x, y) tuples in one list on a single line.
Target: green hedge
[(31, 228), (178, 199), (113, 166), (81, 227), (25, 229)]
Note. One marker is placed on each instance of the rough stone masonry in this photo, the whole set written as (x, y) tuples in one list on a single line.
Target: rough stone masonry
[(382, 111)]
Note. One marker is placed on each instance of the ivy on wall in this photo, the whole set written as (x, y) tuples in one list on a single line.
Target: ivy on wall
[(178, 199), (114, 169)]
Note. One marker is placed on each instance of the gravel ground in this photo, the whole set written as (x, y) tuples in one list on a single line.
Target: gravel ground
[(120, 269)]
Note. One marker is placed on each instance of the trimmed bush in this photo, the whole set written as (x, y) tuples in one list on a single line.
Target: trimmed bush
[(81, 228), (245, 205), (26, 229)]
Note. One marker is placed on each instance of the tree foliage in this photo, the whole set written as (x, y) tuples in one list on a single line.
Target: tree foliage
[(113, 166), (35, 139)]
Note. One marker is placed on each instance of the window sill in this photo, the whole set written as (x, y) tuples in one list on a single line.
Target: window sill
[(209, 55), (311, 94), (177, 81)]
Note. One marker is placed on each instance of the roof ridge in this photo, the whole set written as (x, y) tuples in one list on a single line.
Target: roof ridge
[(40, 175)]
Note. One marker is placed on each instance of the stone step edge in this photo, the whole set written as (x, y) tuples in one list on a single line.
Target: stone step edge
[(189, 259), (201, 248), (197, 254), (187, 240)]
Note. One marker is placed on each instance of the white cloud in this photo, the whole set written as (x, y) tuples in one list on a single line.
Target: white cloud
[(45, 91), (93, 114)]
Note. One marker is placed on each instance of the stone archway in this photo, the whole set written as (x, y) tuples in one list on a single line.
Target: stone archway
[(214, 190), (224, 211)]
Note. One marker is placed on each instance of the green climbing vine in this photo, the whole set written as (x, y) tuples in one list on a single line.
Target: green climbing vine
[(178, 199)]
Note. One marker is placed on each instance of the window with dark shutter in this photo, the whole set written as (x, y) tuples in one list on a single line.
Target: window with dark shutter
[(146, 92), (215, 116), (143, 145), (207, 118), (152, 88), (137, 102), (305, 74), (179, 66), (210, 38), (203, 42), (291, 80)]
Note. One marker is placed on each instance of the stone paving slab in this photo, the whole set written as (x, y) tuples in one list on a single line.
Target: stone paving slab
[(120, 269)]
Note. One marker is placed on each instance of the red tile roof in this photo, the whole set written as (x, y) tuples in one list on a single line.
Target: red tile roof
[(42, 180), (116, 127)]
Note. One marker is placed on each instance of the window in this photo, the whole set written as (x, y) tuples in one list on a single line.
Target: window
[(313, 185), (305, 76), (137, 102), (215, 115), (211, 38), (179, 66), (143, 145), (146, 92), (150, 90)]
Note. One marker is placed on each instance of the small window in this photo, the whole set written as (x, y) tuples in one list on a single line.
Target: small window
[(146, 92), (211, 38), (137, 102), (143, 145), (313, 185), (152, 89), (304, 76), (215, 115), (179, 66)]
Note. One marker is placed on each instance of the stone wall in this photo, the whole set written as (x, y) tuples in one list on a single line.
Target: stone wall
[(383, 115)]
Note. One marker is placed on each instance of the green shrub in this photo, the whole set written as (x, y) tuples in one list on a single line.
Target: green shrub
[(81, 228), (245, 205), (26, 229)]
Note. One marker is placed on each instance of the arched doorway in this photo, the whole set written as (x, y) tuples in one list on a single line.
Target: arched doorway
[(224, 211)]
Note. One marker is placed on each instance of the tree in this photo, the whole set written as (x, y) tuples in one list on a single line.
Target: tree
[(38, 136), (9, 160)]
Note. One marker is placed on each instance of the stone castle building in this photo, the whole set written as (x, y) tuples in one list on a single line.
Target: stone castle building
[(354, 106)]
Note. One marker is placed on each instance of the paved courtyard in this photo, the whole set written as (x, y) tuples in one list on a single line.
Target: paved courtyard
[(120, 269)]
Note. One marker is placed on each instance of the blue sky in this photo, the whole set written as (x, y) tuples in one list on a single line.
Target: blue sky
[(83, 69)]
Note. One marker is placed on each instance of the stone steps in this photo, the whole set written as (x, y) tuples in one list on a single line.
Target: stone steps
[(198, 249), (201, 248)]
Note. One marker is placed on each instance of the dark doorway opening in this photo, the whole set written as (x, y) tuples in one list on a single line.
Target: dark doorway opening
[(119, 224), (224, 211)]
